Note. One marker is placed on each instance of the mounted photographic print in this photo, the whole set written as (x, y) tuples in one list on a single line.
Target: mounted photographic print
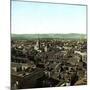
[(48, 44)]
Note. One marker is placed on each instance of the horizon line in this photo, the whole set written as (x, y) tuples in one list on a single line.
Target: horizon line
[(48, 33)]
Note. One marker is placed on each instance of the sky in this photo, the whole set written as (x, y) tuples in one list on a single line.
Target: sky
[(44, 18)]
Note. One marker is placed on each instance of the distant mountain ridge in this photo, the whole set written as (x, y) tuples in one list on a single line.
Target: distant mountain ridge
[(48, 36)]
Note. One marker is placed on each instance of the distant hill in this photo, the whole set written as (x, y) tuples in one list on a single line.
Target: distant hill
[(47, 36)]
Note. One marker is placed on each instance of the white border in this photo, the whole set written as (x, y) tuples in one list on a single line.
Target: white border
[(5, 44)]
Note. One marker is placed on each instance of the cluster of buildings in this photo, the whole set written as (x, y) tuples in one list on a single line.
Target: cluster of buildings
[(48, 63)]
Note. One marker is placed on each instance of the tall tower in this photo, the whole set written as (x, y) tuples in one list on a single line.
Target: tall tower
[(45, 48), (37, 45)]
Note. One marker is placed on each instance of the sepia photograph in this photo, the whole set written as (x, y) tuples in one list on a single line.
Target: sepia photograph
[(48, 44)]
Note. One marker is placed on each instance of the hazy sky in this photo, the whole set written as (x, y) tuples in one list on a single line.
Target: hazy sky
[(31, 17)]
